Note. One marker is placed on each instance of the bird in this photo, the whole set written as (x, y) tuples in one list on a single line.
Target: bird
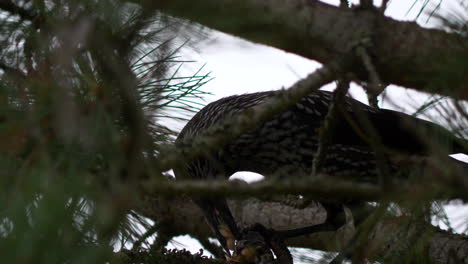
[(286, 144)]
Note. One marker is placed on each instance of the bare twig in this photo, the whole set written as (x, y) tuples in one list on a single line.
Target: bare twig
[(374, 87), (384, 5), (329, 124), (374, 140)]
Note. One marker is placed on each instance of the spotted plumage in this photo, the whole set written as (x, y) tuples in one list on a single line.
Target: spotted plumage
[(288, 141)]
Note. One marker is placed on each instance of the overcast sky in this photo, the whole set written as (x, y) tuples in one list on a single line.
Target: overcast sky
[(240, 67)]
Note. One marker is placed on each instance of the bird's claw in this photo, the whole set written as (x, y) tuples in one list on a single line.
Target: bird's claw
[(257, 245), (252, 248), (226, 232)]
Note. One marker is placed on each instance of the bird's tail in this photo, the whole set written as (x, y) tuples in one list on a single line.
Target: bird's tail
[(408, 134)]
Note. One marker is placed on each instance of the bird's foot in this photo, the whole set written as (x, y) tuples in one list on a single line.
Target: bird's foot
[(252, 248), (257, 245), (226, 232)]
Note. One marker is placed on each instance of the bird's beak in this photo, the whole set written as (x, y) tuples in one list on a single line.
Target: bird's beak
[(221, 221)]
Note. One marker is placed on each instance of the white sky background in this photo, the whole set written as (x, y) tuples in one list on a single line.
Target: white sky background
[(240, 67)]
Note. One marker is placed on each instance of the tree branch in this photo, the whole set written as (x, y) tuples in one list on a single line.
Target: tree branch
[(389, 234), (325, 33)]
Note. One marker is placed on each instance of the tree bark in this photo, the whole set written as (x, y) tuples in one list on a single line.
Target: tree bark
[(403, 53), (387, 238)]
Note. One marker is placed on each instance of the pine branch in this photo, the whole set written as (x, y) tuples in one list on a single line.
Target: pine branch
[(310, 22), (13, 8)]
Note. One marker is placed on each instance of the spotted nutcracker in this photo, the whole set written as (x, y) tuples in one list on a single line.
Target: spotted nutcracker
[(286, 144)]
